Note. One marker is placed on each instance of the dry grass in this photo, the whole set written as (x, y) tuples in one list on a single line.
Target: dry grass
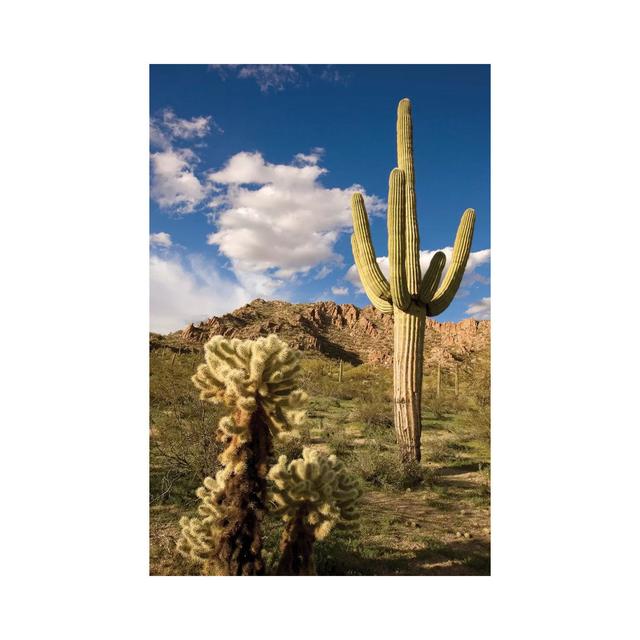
[(426, 519)]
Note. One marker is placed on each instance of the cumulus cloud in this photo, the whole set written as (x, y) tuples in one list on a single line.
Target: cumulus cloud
[(480, 310), (277, 221), (476, 259), (174, 184), (160, 239), (339, 291), (189, 289), (309, 158), (186, 129)]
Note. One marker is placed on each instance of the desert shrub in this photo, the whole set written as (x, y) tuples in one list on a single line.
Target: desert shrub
[(485, 475), (339, 442), (371, 382), (477, 419), (374, 413), (478, 374), (313, 376), (384, 469), (365, 382), (291, 444), (436, 450), (345, 390), (182, 444), (437, 405)]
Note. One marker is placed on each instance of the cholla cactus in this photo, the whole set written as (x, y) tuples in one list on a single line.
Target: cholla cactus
[(312, 494), (255, 379), (252, 375)]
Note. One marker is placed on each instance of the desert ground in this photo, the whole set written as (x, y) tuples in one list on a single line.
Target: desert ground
[(431, 518)]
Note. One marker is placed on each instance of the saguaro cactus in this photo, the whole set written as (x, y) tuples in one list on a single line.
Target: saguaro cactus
[(408, 295)]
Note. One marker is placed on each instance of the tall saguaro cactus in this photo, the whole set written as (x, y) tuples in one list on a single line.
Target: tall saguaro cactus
[(408, 295)]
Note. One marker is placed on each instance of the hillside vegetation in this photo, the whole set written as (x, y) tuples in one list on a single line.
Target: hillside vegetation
[(430, 518)]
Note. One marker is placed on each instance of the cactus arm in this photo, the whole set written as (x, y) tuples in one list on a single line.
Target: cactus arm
[(397, 242), (368, 268), (432, 277), (404, 131), (367, 283), (461, 248)]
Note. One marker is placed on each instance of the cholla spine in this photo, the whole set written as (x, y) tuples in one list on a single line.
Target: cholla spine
[(199, 535), (318, 484), (256, 380), (244, 373)]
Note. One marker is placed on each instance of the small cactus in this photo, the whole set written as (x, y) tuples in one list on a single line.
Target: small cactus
[(312, 494), (255, 379)]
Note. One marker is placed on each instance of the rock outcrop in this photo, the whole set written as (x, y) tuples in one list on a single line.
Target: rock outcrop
[(339, 331)]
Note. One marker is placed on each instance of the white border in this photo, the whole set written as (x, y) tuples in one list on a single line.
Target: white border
[(564, 215)]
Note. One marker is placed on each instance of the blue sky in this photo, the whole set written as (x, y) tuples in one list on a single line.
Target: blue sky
[(253, 166)]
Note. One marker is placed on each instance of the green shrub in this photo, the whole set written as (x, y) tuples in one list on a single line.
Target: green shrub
[(436, 405), (339, 442), (291, 444), (384, 469), (374, 413)]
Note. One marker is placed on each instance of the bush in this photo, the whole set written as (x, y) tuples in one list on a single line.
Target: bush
[(478, 420), (291, 443), (182, 445), (437, 405), (365, 382), (183, 449), (374, 413), (435, 449), (385, 469), (339, 442)]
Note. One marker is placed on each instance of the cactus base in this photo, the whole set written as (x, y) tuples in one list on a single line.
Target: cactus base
[(296, 548), (408, 346)]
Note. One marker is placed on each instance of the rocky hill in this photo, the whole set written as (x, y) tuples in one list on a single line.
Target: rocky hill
[(336, 330)]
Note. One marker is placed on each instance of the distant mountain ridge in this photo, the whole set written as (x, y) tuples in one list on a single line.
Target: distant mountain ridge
[(336, 330)]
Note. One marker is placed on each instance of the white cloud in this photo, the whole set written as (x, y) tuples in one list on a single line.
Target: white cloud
[(476, 259), (186, 129), (278, 76), (323, 272), (480, 310), (276, 221), (339, 291), (270, 76), (161, 239), (309, 158), (189, 290), (267, 76), (331, 74), (157, 137), (174, 185)]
